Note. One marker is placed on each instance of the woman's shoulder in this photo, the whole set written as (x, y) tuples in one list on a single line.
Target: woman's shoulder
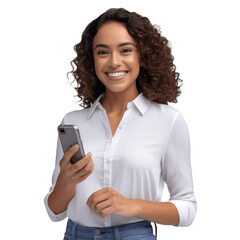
[(172, 114), (169, 115), (164, 109), (76, 115)]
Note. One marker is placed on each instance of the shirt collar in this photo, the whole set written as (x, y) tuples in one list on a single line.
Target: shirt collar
[(96, 104), (140, 102)]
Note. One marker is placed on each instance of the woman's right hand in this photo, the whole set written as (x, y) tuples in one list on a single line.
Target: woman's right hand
[(70, 175), (75, 173)]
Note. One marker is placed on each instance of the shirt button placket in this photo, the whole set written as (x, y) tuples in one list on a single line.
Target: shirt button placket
[(107, 164)]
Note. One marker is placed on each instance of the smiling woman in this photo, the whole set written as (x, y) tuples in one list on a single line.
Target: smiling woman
[(116, 60), (126, 77), (157, 79)]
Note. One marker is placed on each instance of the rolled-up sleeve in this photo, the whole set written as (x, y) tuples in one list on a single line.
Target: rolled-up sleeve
[(59, 154), (177, 173)]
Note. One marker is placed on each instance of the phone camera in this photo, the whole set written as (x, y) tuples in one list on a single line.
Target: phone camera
[(62, 130)]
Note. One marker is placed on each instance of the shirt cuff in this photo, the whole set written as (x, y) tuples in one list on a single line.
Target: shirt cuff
[(186, 210), (54, 217)]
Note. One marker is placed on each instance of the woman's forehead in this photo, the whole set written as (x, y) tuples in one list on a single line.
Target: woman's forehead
[(112, 33)]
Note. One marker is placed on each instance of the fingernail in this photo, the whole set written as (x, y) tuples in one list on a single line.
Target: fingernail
[(90, 154)]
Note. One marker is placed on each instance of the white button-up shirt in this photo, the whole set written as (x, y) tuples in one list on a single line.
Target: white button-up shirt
[(150, 146)]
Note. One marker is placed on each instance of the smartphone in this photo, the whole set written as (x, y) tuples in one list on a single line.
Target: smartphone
[(69, 135)]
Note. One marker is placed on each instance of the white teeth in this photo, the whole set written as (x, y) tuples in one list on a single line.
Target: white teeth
[(117, 74)]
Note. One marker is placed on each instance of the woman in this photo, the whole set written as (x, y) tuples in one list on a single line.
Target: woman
[(135, 141)]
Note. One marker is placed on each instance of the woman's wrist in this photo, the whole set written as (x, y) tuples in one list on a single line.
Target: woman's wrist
[(64, 182)]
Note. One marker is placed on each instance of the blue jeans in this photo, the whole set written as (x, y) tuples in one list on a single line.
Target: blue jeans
[(138, 230)]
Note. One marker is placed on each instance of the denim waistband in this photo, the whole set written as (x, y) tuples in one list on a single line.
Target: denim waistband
[(75, 231)]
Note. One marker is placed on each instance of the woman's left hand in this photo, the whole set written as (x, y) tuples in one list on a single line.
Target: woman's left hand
[(108, 201)]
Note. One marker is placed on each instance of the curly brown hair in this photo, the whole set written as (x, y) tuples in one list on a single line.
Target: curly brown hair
[(157, 80)]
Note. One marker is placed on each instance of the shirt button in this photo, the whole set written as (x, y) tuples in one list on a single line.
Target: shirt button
[(97, 232)]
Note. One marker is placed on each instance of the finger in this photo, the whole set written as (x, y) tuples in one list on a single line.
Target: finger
[(94, 200), (106, 211), (84, 161), (94, 195), (84, 171), (77, 167), (102, 205), (69, 153), (99, 192), (75, 170)]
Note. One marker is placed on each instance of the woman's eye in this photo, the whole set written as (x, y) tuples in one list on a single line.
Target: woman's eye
[(126, 50), (101, 52)]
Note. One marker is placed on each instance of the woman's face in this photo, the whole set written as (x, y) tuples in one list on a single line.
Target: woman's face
[(116, 58)]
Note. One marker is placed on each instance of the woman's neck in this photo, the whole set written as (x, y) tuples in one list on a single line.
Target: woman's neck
[(117, 102)]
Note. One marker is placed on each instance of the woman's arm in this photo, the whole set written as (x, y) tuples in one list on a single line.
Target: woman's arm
[(69, 176), (177, 172), (60, 197), (159, 212), (108, 201)]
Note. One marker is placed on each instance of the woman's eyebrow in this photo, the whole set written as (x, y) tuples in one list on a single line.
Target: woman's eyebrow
[(120, 45), (126, 43)]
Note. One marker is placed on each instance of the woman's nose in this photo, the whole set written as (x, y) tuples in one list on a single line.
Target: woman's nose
[(115, 60)]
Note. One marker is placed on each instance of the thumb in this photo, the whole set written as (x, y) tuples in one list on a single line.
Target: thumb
[(70, 152)]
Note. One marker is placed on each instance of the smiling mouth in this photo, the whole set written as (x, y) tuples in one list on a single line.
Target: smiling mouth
[(116, 74)]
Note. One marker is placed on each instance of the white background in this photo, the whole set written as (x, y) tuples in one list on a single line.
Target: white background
[(37, 39)]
